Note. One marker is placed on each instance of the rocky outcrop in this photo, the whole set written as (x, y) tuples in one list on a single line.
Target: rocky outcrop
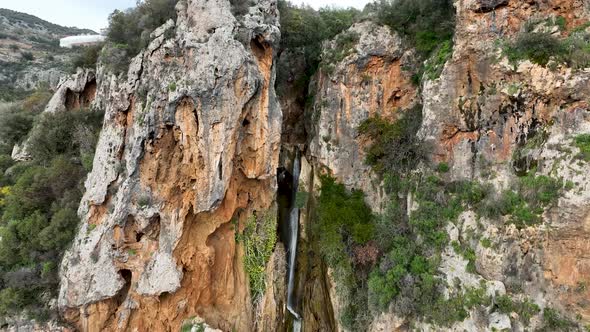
[(74, 92), (371, 81), (189, 149)]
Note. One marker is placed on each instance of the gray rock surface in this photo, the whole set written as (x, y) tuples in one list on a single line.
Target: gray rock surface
[(175, 137), (368, 82)]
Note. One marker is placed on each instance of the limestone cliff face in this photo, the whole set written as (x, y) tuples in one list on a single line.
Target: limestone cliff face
[(479, 112), (190, 148), (370, 81), (373, 79), (483, 108), (74, 92), (190, 143)]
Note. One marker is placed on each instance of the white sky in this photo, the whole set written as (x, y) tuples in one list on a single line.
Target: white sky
[(93, 14), (360, 4)]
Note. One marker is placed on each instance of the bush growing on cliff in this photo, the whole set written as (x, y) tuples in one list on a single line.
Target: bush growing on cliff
[(526, 201), (582, 142), (87, 57), (525, 309), (394, 146), (554, 321), (38, 203), (132, 28), (538, 47), (425, 23), (65, 133), (344, 222), (304, 29), (17, 119), (259, 238), (541, 46)]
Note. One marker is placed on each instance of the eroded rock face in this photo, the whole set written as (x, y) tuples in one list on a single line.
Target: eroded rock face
[(190, 142), (371, 81), (476, 115), (74, 92), (481, 110)]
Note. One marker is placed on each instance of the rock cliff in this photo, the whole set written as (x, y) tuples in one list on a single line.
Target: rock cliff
[(479, 116), (187, 161), (188, 152)]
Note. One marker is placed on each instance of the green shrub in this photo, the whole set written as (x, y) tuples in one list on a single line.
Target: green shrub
[(87, 57), (344, 213), (560, 22), (434, 66), (525, 309), (131, 29), (582, 142), (539, 47), (259, 238), (553, 321), (526, 201), (446, 312), (115, 57), (59, 133), (15, 124), (304, 29), (486, 242), (27, 56), (394, 147), (467, 253), (39, 200), (344, 221), (577, 49), (443, 168)]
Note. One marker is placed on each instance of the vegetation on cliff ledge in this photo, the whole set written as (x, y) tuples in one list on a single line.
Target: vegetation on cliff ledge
[(393, 263), (259, 238), (39, 199), (537, 43), (129, 31)]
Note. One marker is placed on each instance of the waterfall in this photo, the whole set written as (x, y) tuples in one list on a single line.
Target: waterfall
[(292, 252)]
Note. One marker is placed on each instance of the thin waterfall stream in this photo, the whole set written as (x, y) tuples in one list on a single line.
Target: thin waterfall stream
[(292, 245), (288, 183)]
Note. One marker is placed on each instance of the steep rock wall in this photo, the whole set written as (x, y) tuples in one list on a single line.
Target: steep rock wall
[(370, 81), (477, 115), (483, 109), (189, 144)]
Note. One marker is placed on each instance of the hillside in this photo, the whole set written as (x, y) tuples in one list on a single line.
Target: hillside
[(30, 53)]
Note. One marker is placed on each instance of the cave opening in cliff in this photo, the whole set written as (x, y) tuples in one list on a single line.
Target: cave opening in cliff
[(126, 275), (288, 179)]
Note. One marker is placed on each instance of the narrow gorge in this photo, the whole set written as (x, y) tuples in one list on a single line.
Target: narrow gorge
[(420, 166)]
